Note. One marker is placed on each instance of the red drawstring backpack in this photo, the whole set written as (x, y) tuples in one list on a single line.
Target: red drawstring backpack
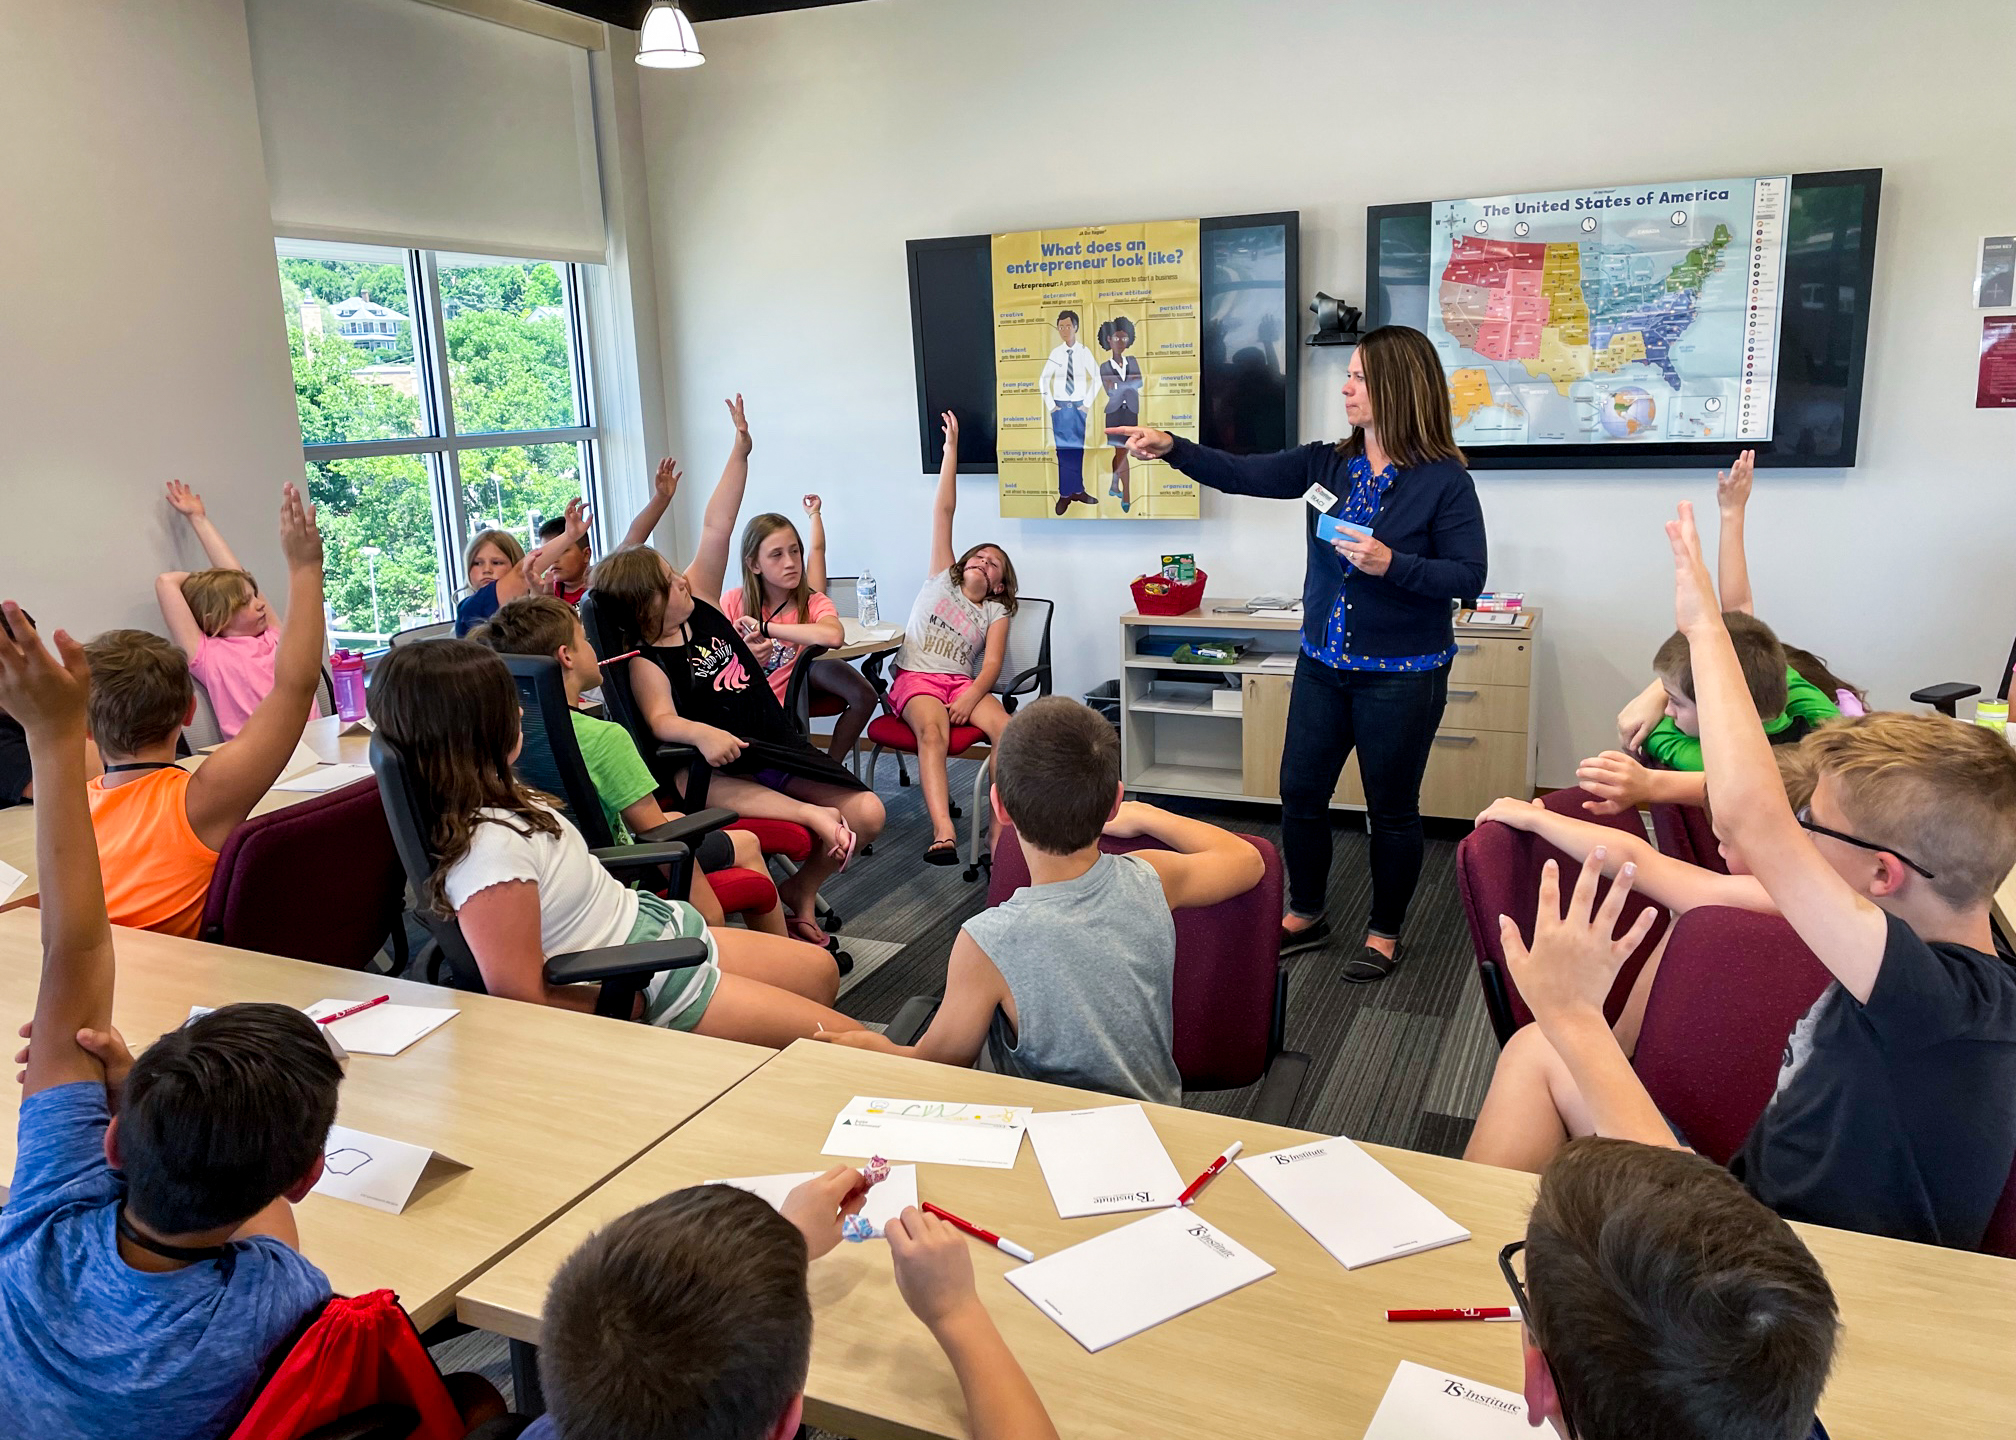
[(358, 1352)]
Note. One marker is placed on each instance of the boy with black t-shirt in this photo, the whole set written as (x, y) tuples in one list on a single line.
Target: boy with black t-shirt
[(1895, 1108)]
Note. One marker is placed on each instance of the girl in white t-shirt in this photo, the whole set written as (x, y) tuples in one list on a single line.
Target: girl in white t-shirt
[(952, 651), (524, 885)]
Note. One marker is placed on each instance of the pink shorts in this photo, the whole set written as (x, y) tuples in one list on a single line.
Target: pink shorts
[(909, 684)]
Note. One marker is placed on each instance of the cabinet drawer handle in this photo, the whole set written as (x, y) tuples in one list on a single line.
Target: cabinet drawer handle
[(1465, 649), (1463, 694), (1455, 739)]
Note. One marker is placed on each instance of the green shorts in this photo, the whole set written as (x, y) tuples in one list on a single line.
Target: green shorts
[(675, 999)]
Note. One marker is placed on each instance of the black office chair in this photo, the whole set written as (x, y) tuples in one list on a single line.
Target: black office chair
[(622, 970), (680, 769), (1946, 698), (798, 694)]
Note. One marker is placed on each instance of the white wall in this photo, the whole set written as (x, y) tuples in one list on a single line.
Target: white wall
[(788, 171), (141, 335)]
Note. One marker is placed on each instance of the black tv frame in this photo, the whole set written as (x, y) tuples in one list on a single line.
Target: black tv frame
[(1290, 222), (1670, 455)]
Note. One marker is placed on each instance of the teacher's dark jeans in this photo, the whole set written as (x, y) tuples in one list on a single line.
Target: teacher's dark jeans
[(1390, 720)]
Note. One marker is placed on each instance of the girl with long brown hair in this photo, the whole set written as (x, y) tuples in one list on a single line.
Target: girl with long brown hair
[(1377, 637), (524, 885)]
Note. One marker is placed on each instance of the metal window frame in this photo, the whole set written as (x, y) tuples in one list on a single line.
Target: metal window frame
[(441, 445)]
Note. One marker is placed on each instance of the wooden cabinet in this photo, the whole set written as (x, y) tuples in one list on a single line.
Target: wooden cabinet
[(1483, 748)]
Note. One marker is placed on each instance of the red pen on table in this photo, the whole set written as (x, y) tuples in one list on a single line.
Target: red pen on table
[(1210, 1172), (345, 1014), (1468, 1312), (1006, 1247)]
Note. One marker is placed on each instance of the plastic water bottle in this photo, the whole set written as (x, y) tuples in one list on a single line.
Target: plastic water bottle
[(864, 598), (346, 671)]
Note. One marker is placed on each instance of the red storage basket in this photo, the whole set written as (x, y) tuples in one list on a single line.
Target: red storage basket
[(1183, 596)]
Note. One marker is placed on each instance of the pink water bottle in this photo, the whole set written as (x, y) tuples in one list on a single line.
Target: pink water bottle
[(346, 670)]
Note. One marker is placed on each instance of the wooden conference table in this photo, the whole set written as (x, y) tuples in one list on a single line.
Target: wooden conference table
[(1306, 1351), (542, 1105), (324, 736)]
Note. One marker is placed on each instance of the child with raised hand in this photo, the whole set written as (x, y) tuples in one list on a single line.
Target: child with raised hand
[(714, 1278), (833, 677), (501, 571), (159, 826), (147, 1260), (952, 651), (225, 627), (695, 683), (524, 885), (546, 625)]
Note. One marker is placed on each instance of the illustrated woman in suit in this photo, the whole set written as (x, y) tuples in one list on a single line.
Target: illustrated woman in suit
[(1120, 374)]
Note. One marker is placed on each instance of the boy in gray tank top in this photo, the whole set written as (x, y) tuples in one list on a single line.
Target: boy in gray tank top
[(1070, 979)]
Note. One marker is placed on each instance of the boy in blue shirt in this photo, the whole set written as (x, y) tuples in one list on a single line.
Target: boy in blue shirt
[(147, 1261)]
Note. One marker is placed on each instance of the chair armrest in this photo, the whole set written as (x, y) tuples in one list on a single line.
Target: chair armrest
[(373, 1422), (624, 970), (1945, 698), (683, 770), (674, 857), (689, 827), (912, 1020)]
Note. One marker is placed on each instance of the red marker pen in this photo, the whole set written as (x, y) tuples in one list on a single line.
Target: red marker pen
[(1211, 1172)]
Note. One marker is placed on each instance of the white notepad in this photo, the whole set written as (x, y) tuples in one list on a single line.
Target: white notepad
[(1100, 1162), (373, 1171), (325, 777), (1425, 1404), (1134, 1278), (885, 1201), (1350, 1204), (946, 1132), (383, 1029)]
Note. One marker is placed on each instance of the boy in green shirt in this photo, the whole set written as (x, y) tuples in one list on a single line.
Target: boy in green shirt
[(1786, 703), (547, 625)]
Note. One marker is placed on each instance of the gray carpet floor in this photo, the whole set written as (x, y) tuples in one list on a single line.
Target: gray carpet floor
[(1402, 1062)]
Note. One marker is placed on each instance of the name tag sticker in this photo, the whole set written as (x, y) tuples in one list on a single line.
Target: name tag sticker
[(1317, 496)]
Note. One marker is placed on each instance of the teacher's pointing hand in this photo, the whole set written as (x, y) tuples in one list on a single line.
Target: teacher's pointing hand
[(1144, 442)]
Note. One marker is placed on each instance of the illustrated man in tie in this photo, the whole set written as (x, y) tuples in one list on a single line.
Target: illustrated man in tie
[(1069, 382)]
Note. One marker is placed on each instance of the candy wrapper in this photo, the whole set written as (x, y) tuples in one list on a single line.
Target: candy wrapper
[(856, 1227), (876, 1170)]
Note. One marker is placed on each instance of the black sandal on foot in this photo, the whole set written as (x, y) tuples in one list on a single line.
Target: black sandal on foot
[(1309, 937), (1369, 965), (942, 852)]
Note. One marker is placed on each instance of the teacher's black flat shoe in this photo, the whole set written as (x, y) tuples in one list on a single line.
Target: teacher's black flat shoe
[(1309, 937), (1369, 965)]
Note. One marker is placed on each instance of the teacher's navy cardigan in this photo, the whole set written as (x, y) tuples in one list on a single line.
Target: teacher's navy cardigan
[(1430, 520)]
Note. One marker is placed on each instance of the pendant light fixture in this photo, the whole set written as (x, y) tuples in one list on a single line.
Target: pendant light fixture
[(666, 40)]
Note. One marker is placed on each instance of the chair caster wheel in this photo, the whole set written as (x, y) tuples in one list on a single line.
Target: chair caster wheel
[(869, 848), (972, 872), (843, 962), (957, 813), (831, 922)]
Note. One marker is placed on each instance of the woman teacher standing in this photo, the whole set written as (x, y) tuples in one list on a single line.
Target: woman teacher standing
[(1377, 632)]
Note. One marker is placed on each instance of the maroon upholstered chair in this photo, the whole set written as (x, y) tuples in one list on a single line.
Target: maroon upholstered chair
[(1231, 995), (316, 881), (1730, 987), (1686, 833), (1498, 873)]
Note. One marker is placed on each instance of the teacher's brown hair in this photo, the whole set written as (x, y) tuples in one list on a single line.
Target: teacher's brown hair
[(1410, 399)]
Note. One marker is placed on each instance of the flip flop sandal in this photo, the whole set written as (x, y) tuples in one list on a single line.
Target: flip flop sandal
[(801, 929), (942, 852), (846, 850), (1369, 965)]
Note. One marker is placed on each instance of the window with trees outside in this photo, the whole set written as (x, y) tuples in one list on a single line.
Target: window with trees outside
[(440, 395)]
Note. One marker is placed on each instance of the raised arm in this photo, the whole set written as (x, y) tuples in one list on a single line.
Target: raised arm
[(815, 543), (575, 529), (1673, 883), (181, 620), (947, 499), (1732, 496), (191, 507), (1203, 864), (48, 697), (227, 785), (717, 527), (1844, 929), (664, 485)]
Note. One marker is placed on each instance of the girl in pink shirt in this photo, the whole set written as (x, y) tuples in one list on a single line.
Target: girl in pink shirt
[(229, 631)]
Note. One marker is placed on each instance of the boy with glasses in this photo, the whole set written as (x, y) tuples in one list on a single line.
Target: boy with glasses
[(1895, 1108)]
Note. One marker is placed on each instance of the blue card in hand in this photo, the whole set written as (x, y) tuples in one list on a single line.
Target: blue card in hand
[(1331, 528)]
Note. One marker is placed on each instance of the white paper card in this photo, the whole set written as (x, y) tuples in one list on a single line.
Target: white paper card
[(1425, 1404), (855, 633), (383, 1029), (360, 726), (885, 1201), (1134, 1278), (335, 1045), (1350, 1204), (1103, 1161), (372, 1171), (941, 1131), (10, 881), (300, 762), (325, 778)]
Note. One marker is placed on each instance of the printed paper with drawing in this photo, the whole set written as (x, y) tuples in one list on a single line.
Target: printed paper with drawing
[(1134, 1278), (1350, 1204), (372, 1171), (1425, 1404), (1103, 1161), (383, 1029), (945, 1132), (885, 1202)]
